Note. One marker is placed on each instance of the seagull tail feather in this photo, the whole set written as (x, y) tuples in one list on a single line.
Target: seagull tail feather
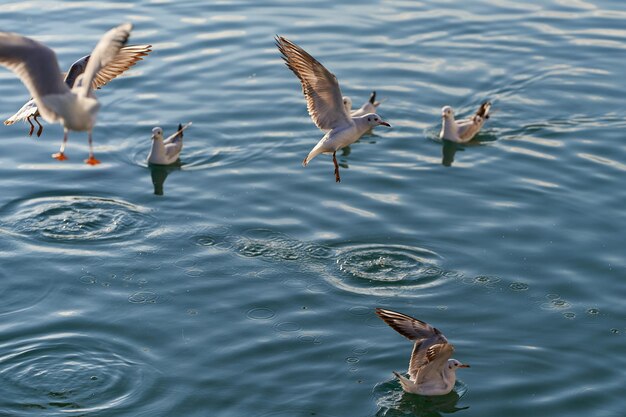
[(407, 384), (314, 152)]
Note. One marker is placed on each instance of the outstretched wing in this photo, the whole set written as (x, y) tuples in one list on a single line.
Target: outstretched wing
[(409, 327), (320, 87), (426, 339), (104, 53), (28, 109), (36, 65), (125, 58)]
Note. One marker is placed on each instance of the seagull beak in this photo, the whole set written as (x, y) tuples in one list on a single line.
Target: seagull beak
[(463, 365), (384, 124)]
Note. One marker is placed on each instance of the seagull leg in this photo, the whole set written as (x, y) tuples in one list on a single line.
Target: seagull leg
[(337, 178), (61, 154), (91, 160), (32, 127), (40, 127)]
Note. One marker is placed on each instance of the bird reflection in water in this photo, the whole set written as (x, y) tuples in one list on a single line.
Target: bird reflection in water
[(396, 402), (449, 149), (159, 173)]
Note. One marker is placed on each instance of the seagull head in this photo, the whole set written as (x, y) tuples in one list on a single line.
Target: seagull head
[(453, 364), (347, 103), (157, 133), (447, 112), (375, 120)]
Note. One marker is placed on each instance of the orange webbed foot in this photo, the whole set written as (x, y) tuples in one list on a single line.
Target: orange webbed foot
[(59, 156), (92, 161)]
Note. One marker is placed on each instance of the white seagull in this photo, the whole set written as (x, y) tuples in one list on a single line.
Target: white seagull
[(166, 151), (126, 58), (36, 65), (461, 131), (325, 103), (431, 371), (369, 106)]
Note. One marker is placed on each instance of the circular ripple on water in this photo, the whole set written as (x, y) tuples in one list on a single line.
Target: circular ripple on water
[(261, 313), (72, 218), (385, 269), (72, 373), (268, 244)]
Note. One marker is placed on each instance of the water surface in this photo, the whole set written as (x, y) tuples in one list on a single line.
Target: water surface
[(248, 287)]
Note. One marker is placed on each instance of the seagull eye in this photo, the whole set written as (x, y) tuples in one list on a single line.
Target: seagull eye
[(369, 119)]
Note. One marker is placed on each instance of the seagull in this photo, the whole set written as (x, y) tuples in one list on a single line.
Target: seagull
[(325, 103), (36, 65), (462, 131), (431, 371), (166, 151), (369, 106), (126, 58)]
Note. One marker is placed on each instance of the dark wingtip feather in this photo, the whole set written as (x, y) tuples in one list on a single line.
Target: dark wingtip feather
[(373, 97), (483, 110)]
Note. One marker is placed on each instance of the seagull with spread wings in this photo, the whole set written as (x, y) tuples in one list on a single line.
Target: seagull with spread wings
[(462, 131), (325, 103), (36, 65), (126, 58), (431, 369)]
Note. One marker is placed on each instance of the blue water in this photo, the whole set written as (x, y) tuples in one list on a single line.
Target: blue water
[(248, 288)]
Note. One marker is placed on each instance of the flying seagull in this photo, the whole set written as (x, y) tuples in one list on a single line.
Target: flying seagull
[(126, 58), (461, 131), (431, 371), (325, 103), (36, 65)]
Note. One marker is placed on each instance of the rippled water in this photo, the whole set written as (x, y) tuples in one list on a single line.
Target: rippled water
[(240, 283)]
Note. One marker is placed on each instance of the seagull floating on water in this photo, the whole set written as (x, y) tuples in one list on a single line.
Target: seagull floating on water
[(36, 65), (126, 58), (325, 103), (166, 151), (369, 106), (431, 371), (461, 131)]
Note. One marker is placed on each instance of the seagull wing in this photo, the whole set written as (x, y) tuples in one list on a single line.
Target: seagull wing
[(176, 136), (29, 109), (125, 58), (37, 67), (320, 87), (424, 335), (428, 360), (103, 54), (409, 327), (467, 128)]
